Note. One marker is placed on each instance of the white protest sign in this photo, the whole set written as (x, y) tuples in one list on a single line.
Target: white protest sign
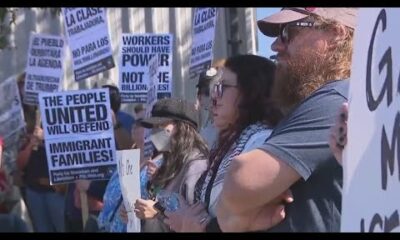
[(11, 114), (129, 180), (151, 100), (203, 33), (371, 161), (135, 54), (44, 68), (79, 135), (88, 40)]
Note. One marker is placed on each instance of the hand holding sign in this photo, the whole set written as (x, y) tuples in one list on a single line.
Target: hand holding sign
[(37, 137), (83, 185), (144, 209), (338, 136)]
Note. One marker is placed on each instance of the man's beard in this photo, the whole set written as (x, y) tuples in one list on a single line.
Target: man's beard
[(300, 77)]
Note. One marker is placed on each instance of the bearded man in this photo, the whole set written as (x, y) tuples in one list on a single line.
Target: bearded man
[(314, 48)]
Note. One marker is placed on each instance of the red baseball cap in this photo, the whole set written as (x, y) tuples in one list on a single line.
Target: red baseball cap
[(269, 26)]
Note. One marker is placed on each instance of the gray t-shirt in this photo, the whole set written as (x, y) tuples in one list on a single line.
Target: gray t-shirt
[(301, 140)]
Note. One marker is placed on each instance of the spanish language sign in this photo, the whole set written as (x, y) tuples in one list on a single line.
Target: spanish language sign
[(203, 33), (88, 40), (44, 68)]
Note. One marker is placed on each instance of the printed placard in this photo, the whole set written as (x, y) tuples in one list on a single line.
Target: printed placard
[(79, 135), (151, 100), (44, 68), (203, 33), (135, 54), (88, 40), (11, 114)]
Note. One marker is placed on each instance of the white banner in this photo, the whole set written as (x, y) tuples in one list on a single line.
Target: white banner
[(129, 179), (204, 22), (88, 40), (151, 100), (371, 193), (135, 54), (11, 114), (79, 135), (44, 68)]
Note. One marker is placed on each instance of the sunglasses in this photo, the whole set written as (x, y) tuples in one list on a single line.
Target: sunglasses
[(288, 31)]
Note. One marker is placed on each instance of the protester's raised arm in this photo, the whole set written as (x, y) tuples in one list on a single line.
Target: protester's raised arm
[(252, 189)]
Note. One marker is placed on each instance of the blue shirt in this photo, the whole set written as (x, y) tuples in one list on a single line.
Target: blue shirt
[(301, 140), (109, 219), (126, 120)]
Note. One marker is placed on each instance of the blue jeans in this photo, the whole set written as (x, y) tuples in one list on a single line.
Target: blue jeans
[(46, 210)]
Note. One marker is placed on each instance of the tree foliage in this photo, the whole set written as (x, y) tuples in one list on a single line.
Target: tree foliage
[(8, 17)]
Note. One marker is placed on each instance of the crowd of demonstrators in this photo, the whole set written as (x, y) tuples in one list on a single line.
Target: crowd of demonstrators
[(266, 157), (184, 153), (314, 47), (244, 115)]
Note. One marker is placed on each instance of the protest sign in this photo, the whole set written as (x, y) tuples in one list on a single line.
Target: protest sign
[(129, 179), (135, 54), (151, 100), (44, 68), (371, 161), (203, 33), (79, 135), (88, 40), (11, 114)]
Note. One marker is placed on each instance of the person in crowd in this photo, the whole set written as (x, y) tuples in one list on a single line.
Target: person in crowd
[(338, 136), (125, 119), (174, 124), (5, 185), (206, 78), (139, 110), (95, 189), (244, 114), (110, 219), (314, 49), (45, 202), (8, 221), (15, 143)]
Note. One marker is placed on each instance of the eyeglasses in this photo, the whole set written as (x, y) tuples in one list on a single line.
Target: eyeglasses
[(288, 31), (219, 87)]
